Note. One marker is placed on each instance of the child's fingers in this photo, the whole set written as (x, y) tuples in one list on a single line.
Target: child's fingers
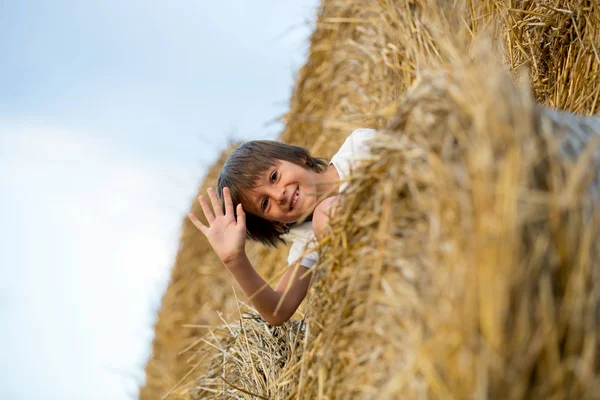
[(197, 223), (206, 208), (241, 216), (228, 202), (215, 202)]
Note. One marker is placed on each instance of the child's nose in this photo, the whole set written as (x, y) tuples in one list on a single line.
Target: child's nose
[(282, 197), (278, 195)]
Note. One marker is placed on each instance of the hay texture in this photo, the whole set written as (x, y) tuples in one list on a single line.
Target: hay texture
[(463, 261)]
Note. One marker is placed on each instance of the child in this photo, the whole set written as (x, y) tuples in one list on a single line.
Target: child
[(280, 192)]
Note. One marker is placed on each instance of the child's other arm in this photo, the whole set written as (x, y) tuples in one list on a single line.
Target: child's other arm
[(227, 236)]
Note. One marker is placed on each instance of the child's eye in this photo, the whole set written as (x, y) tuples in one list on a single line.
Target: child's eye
[(274, 176), (264, 204)]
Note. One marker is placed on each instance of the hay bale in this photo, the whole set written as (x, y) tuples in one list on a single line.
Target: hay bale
[(460, 267)]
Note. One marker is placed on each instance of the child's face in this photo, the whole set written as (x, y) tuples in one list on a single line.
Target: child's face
[(284, 193)]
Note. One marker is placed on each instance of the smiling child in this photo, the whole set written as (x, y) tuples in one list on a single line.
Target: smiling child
[(274, 192)]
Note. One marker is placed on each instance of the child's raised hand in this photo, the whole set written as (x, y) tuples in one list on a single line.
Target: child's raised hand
[(226, 235)]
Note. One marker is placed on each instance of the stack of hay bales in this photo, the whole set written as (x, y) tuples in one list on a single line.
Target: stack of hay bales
[(464, 260)]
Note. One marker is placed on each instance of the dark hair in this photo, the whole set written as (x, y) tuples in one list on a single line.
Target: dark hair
[(244, 167)]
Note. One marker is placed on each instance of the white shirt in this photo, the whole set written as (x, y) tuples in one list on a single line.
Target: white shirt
[(354, 149)]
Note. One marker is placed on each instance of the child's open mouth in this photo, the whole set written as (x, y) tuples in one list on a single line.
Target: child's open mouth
[(295, 199)]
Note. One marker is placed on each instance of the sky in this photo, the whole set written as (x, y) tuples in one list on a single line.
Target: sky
[(110, 113)]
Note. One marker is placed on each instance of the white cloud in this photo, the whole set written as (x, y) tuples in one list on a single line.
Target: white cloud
[(94, 242)]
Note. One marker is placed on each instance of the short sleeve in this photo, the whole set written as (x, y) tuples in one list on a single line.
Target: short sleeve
[(298, 251)]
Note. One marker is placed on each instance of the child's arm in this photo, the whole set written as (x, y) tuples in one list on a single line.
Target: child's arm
[(228, 237), (263, 297)]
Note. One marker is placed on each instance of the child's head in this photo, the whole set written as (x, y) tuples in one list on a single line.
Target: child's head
[(246, 166)]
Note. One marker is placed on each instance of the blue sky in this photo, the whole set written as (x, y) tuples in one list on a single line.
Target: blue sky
[(109, 114)]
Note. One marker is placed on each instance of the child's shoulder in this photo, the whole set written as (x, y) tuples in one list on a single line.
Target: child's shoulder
[(361, 135), (356, 142), (322, 214)]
